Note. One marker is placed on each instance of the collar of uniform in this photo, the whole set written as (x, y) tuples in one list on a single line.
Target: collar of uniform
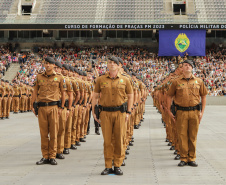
[(183, 77), (54, 73), (118, 75)]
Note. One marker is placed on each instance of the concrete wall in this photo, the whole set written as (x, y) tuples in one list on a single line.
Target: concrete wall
[(219, 100), (210, 100)]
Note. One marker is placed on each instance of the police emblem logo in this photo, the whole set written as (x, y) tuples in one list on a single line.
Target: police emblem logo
[(121, 80), (55, 79), (182, 42)]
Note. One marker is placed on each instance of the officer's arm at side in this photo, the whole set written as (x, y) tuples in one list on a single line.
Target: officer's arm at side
[(129, 92), (171, 92), (203, 93)]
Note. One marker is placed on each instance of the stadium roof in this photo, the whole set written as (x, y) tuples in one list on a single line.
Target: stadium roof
[(113, 12)]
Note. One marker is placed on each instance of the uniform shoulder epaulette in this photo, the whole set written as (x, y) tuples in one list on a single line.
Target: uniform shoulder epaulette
[(102, 74), (58, 73)]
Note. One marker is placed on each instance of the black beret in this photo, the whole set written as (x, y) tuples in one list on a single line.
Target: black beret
[(120, 60), (2, 80), (113, 58), (134, 74), (7, 81), (50, 60), (66, 66), (189, 62), (84, 73), (71, 68), (58, 64), (80, 73), (125, 69)]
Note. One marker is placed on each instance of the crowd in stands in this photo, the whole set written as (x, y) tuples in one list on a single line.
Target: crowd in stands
[(5, 59), (149, 67)]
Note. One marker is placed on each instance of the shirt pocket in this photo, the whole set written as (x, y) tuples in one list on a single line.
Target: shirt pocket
[(121, 87), (181, 90), (195, 89), (104, 88), (54, 85), (43, 86)]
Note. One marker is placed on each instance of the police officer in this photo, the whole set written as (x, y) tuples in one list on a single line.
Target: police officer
[(114, 114), (6, 99), (16, 96), (187, 90), (2, 94), (46, 93)]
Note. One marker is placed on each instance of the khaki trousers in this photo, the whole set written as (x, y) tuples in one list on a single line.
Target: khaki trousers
[(79, 123), (15, 104), (82, 125), (67, 137), (113, 124), (23, 103), (187, 123), (86, 120), (61, 132), (74, 125), (1, 108), (4, 105), (49, 124), (8, 106)]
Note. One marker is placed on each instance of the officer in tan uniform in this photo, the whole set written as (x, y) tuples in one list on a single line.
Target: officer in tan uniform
[(62, 118), (79, 106), (16, 96), (187, 90), (46, 92), (114, 114), (23, 97), (88, 105), (84, 105), (75, 107), (11, 93), (2, 94), (68, 106), (29, 101), (6, 98)]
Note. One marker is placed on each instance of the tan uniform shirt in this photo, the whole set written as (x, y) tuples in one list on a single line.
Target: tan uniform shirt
[(7, 90), (2, 90), (49, 87), (114, 91), (187, 93), (17, 90)]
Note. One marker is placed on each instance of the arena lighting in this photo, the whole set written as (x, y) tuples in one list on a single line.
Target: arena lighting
[(100, 31), (45, 31), (209, 31)]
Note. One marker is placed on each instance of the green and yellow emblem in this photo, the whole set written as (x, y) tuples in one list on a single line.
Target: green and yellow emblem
[(55, 79), (182, 42), (121, 80)]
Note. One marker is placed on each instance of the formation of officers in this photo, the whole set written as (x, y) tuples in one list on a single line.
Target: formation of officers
[(63, 98), (14, 98), (178, 101)]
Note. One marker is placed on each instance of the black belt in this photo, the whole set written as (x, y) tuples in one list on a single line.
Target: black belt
[(24, 94), (66, 104), (44, 104), (10, 95), (0, 95), (122, 108), (29, 94), (16, 96), (197, 107), (6, 95)]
